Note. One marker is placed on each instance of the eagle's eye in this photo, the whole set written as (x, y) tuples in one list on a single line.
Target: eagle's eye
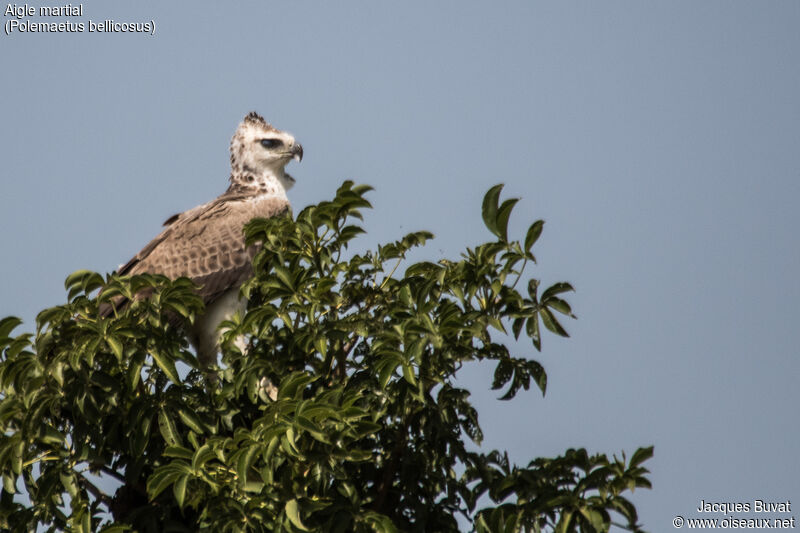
[(271, 143)]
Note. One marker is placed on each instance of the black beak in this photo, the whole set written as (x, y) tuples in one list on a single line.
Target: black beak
[(297, 151)]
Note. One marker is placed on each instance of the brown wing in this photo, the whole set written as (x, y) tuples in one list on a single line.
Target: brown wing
[(206, 244)]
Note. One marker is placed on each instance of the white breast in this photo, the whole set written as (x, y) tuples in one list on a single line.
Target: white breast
[(205, 332)]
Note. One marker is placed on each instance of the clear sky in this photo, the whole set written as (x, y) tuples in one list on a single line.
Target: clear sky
[(660, 142)]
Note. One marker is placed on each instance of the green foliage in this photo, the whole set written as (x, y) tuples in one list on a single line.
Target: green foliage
[(368, 430)]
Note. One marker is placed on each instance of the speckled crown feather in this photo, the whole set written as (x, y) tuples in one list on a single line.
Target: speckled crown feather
[(252, 121), (257, 120)]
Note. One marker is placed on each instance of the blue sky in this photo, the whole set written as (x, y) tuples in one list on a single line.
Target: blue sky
[(659, 141)]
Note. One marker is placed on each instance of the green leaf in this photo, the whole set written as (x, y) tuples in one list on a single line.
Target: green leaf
[(166, 364), (489, 209), (134, 373), (293, 513), (285, 276), (556, 288), (77, 280), (178, 452), (179, 490), (386, 367), (563, 524), (409, 375), (533, 287), (321, 345), (168, 429), (516, 327), (594, 518), (116, 528), (51, 436), (559, 305), (502, 373), (292, 386), (162, 478), (245, 462), (7, 325), (641, 455), (533, 234), (311, 428), (503, 215), (539, 375), (551, 323), (380, 523), (17, 449), (192, 421), (69, 484), (116, 347), (532, 329), (9, 484), (141, 433), (203, 455)]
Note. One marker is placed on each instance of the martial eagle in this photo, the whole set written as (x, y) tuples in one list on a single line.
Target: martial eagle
[(206, 243)]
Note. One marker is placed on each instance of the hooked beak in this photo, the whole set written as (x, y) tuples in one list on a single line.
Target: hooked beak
[(297, 152)]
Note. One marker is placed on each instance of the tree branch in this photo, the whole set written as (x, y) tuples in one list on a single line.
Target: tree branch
[(97, 493), (113, 473), (390, 469), (339, 370)]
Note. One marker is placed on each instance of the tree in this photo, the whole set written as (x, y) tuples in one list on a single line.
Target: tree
[(368, 430)]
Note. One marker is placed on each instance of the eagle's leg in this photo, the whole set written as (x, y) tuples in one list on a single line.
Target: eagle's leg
[(266, 390), (206, 336)]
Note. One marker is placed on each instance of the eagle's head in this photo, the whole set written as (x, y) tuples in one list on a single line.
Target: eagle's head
[(260, 152)]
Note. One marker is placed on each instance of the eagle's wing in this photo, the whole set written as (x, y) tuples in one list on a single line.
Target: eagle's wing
[(206, 244)]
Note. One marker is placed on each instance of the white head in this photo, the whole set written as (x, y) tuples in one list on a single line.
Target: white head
[(259, 154)]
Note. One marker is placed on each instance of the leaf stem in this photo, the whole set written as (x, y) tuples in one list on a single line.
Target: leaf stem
[(387, 278), (519, 274), (43, 457)]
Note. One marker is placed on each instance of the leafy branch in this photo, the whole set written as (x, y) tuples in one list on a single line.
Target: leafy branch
[(367, 429)]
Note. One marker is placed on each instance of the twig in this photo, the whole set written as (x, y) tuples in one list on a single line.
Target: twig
[(387, 278), (97, 493), (113, 473), (519, 274)]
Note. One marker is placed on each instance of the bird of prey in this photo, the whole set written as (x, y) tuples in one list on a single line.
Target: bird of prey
[(206, 243)]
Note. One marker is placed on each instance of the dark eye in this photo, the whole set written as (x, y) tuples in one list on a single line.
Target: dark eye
[(271, 143)]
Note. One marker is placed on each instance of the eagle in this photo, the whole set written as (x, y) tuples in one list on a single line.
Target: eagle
[(206, 243)]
